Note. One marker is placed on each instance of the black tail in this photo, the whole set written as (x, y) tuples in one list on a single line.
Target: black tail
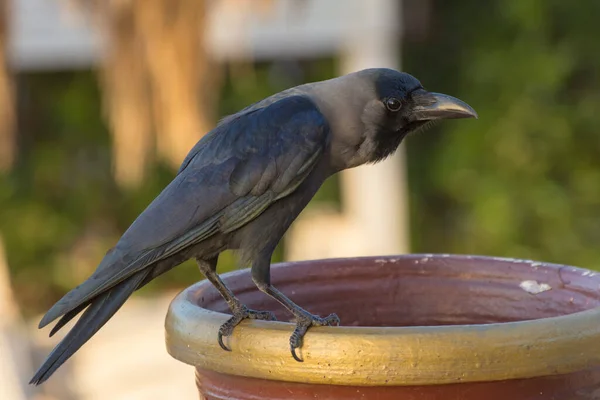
[(101, 309), (69, 316)]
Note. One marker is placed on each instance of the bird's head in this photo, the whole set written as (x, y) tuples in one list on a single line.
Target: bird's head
[(396, 105)]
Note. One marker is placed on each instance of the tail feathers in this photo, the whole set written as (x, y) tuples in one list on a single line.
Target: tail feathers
[(68, 316), (84, 293), (102, 308), (87, 291)]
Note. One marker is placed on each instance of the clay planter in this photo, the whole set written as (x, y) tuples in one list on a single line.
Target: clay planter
[(416, 327)]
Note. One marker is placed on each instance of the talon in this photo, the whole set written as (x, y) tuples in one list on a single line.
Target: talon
[(263, 316), (240, 313), (295, 355), (303, 323), (220, 340), (332, 319)]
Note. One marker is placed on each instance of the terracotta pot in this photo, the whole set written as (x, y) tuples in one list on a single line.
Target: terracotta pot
[(415, 327)]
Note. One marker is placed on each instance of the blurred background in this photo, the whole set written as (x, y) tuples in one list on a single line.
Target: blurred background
[(100, 101)]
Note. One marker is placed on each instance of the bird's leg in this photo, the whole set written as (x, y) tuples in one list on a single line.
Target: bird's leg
[(240, 311), (261, 275)]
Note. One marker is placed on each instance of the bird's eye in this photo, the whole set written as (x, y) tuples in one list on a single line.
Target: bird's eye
[(393, 104)]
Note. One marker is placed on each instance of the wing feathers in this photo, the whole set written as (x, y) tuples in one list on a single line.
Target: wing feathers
[(229, 178)]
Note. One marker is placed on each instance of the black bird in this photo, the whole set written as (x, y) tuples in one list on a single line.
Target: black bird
[(241, 187)]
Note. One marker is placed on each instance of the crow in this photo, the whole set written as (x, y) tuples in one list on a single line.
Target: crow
[(241, 187)]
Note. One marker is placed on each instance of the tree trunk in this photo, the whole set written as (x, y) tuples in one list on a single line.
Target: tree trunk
[(125, 89), (7, 111), (183, 87)]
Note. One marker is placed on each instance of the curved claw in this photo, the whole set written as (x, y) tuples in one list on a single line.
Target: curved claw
[(220, 340), (302, 326), (332, 320), (239, 314), (295, 355)]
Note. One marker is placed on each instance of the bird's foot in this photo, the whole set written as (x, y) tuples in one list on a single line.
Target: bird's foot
[(303, 322), (240, 313)]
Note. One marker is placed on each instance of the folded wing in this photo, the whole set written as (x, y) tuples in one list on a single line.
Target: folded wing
[(231, 176)]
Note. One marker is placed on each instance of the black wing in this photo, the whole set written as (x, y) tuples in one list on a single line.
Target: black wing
[(231, 176)]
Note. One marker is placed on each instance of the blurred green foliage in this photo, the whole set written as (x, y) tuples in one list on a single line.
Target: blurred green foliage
[(523, 180), (60, 209)]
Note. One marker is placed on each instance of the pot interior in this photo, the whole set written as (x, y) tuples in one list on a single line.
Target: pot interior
[(419, 290)]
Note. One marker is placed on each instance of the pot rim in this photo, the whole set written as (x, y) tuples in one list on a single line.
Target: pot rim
[(386, 356)]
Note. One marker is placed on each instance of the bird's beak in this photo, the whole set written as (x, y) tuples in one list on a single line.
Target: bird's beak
[(429, 106)]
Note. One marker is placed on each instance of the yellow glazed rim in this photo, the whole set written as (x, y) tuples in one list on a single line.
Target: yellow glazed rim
[(385, 356)]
